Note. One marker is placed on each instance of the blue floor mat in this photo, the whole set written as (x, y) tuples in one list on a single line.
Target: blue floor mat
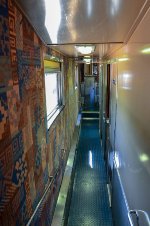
[(89, 204)]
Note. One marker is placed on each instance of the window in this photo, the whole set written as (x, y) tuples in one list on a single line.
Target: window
[(53, 92)]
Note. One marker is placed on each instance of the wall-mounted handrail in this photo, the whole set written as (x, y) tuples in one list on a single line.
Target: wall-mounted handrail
[(52, 179), (136, 213)]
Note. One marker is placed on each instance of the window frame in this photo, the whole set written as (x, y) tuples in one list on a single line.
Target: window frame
[(51, 116)]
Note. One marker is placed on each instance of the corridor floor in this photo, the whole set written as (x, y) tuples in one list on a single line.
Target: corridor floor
[(89, 204)]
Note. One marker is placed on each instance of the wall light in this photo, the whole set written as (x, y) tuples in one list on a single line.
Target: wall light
[(85, 49), (144, 157), (123, 59), (146, 50)]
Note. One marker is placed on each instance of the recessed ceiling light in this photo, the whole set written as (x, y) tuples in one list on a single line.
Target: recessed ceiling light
[(85, 49)]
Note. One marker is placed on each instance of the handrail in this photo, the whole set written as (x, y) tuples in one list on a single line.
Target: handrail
[(136, 213), (52, 179)]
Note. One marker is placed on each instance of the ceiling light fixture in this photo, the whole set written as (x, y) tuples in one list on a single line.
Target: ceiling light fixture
[(85, 49), (87, 61)]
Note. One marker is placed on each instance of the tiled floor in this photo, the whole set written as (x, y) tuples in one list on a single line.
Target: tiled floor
[(89, 204)]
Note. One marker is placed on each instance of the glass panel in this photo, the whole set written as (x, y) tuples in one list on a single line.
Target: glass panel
[(51, 91)]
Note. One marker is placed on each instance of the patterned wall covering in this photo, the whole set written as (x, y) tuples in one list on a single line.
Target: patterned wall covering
[(29, 153)]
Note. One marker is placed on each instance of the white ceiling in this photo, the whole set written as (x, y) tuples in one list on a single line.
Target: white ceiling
[(107, 23)]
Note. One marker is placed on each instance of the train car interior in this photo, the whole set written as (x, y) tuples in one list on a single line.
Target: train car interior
[(75, 112)]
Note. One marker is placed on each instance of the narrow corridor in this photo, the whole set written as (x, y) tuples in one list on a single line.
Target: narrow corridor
[(74, 113), (89, 204)]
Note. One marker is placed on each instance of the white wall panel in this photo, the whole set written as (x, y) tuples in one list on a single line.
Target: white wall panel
[(133, 127), (133, 121)]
